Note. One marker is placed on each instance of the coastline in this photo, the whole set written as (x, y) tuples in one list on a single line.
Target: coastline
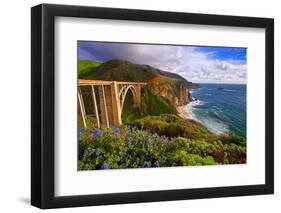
[(184, 112), (210, 115)]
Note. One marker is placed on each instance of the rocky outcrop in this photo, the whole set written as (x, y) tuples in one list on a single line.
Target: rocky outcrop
[(176, 94)]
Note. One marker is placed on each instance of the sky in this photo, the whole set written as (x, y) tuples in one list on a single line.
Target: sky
[(198, 64)]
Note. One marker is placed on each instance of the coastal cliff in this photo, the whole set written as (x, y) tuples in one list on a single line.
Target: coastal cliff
[(175, 94), (164, 93)]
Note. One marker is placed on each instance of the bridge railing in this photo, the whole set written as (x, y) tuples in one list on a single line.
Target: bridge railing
[(83, 82)]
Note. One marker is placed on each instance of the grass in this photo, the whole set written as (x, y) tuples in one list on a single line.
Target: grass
[(120, 71), (86, 66)]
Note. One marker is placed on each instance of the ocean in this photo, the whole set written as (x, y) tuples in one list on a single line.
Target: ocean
[(220, 107)]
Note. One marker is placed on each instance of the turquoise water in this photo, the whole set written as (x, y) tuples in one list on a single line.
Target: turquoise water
[(220, 107)]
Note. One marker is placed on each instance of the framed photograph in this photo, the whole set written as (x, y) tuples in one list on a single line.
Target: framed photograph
[(139, 106)]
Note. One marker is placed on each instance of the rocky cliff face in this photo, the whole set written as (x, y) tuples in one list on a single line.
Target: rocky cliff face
[(176, 94)]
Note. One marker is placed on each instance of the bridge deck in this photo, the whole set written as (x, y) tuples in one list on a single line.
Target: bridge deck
[(83, 82)]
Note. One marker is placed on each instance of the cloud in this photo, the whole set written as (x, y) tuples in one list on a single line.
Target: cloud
[(190, 62)]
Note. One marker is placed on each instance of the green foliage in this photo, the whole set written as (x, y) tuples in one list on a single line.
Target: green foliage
[(151, 104), (128, 147), (233, 139), (120, 148), (183, 158), (154, 104), (121, 71), (86, 66), (173, 126), (221, 153), (130, 112)]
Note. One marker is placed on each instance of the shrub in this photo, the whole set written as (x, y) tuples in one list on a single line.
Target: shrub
[(173, 126), (183, 158), (130, 147)]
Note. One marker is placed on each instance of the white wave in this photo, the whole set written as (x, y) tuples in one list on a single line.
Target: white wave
[(229, 90), (188, 109), (214, 125)]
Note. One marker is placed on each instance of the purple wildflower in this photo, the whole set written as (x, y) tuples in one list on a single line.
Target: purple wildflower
[(83, 158), (105, 166), (165, 139), (155, 164), (116, 130), (84, 155), (81, 129), (97, 133)]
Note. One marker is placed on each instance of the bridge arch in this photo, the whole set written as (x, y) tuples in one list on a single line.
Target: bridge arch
[(111, 96), (123, 94)]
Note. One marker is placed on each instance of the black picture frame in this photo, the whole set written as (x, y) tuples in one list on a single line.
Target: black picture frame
[(43, 102)]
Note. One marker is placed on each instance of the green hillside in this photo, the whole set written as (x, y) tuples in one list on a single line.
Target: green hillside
[(86, 66), (119, 70)]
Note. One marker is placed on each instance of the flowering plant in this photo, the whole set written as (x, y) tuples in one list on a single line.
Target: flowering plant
[(131, 147)]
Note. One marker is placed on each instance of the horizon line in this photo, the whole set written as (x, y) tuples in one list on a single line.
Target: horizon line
[(239, 83)]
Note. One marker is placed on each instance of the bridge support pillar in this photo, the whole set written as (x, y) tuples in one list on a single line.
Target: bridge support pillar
[(138, 98), (116, 108), (103, 106), (82, 108)]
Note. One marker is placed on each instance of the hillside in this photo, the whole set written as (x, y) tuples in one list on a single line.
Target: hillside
[(86, 66), (125, 71), (168, 75), (120, 71), (164, 93)]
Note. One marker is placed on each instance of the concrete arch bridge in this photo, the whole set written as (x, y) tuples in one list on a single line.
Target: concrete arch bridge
[(107, 106)]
